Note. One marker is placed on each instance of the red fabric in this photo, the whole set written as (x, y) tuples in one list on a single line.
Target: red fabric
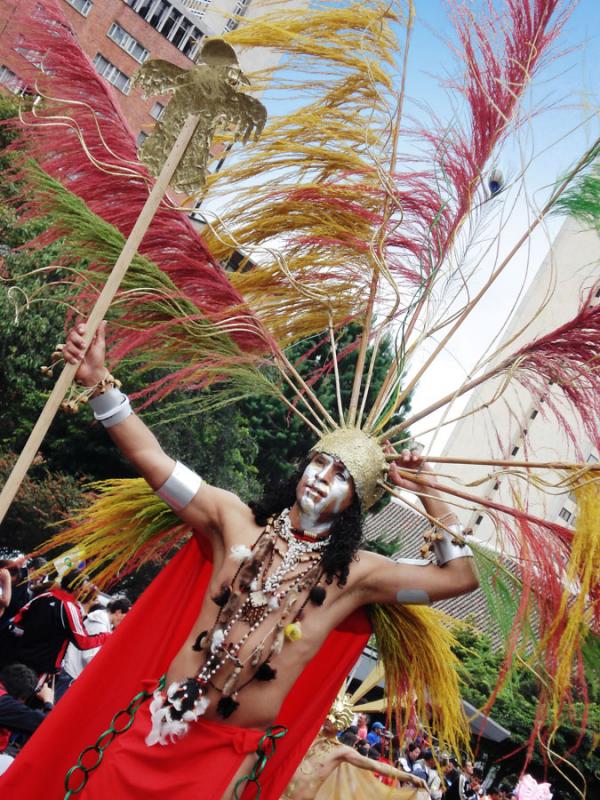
[(199, 766), (4, 732), (144, 645), (383, 778)]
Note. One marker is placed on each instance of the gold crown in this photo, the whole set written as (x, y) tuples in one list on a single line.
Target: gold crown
[(341, 714), (362, 456)]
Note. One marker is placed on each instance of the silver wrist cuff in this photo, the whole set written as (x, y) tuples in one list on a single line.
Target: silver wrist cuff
[(447, 548), (180, 487), (111, 407)]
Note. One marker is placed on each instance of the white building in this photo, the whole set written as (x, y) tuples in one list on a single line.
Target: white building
[(514, 426)]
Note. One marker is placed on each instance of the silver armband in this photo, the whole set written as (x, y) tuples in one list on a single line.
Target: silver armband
[(180, 487), (446, 547), (111, 407), (413, 597)]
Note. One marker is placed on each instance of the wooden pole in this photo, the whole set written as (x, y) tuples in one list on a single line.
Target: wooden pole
[(494, 462), (98, 313)]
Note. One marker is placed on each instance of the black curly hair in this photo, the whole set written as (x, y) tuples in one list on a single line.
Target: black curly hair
[(18, 680), (346, 531)]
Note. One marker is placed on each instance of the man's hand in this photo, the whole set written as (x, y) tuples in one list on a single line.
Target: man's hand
[(408, 459), (418, 783), (91, 363), (46, 694)]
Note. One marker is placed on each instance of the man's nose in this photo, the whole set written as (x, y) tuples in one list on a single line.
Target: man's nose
[(324, 474)]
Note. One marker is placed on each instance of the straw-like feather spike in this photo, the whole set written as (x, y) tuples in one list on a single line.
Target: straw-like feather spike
[(116, 191), (125, 526), (566, 356)]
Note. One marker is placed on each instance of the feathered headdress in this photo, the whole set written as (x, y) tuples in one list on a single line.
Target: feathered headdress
[(341, 212)]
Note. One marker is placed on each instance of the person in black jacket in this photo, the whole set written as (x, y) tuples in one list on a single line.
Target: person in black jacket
[(17, 720), (39, 633)]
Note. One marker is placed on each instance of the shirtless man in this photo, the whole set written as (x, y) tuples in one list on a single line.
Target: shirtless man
[(221, 652), (326, 755)]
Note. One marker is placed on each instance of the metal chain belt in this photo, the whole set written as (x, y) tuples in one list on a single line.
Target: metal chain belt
[(121, 722), (264, 751)]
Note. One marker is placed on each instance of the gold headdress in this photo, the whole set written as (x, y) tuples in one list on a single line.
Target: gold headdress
[(341, 712), (363, 458)]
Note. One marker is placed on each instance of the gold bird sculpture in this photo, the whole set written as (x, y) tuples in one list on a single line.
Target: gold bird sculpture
[(209, 89)]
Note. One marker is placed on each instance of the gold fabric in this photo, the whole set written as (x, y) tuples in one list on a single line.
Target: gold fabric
[(363, 457), (348, 782)]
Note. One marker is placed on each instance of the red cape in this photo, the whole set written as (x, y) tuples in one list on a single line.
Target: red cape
[(143, 647)]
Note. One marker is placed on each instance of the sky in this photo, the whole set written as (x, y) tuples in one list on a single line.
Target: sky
[(569, 89), (549, 142)]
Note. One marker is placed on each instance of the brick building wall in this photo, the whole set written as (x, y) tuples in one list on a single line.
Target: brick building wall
[(100, 25)]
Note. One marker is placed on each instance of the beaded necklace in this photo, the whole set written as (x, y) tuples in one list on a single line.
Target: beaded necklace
[(254, 595)]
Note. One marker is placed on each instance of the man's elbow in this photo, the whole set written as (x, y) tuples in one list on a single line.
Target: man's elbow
[(470, 577), (465, 578)]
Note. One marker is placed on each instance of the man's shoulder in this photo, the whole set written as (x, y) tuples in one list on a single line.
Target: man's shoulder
[(99, 616), (365, 564), (237, 519)]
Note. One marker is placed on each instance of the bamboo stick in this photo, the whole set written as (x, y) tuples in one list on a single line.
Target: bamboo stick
[(470, 498), (98, 313), (494, 462), (364, 344)]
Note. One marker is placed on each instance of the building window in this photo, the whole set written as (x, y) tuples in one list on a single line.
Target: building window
[(496, 486), (126, 42), (198, 7), (533, 414), (173, 24), (180, 32), (83, 6), (191, 45), (155, 14), (515, 450), (30, 55), (565, 514), (240, 9), (157, 110), (112, 74), (479, 520), (169, 21), (141, 138), (11, 80)]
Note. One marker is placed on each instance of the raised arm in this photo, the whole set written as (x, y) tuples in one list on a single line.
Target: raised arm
[(5, 590), (350, 756), (192, 499), (416, 581)]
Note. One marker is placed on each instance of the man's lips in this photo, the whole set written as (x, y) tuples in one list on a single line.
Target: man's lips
[(316, 490)]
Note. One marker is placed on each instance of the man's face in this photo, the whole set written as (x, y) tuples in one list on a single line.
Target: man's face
[(329, 729), (325, 488), (116, 618), (468, 767)]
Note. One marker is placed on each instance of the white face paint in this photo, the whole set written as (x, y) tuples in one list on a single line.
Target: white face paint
[(324, 488)]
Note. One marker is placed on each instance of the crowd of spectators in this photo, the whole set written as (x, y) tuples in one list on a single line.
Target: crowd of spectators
[(49, 632), (447, 777)]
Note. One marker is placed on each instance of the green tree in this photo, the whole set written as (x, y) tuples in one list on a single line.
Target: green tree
[(75, 451), (283, 440), (515, 709), (43, 499)]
